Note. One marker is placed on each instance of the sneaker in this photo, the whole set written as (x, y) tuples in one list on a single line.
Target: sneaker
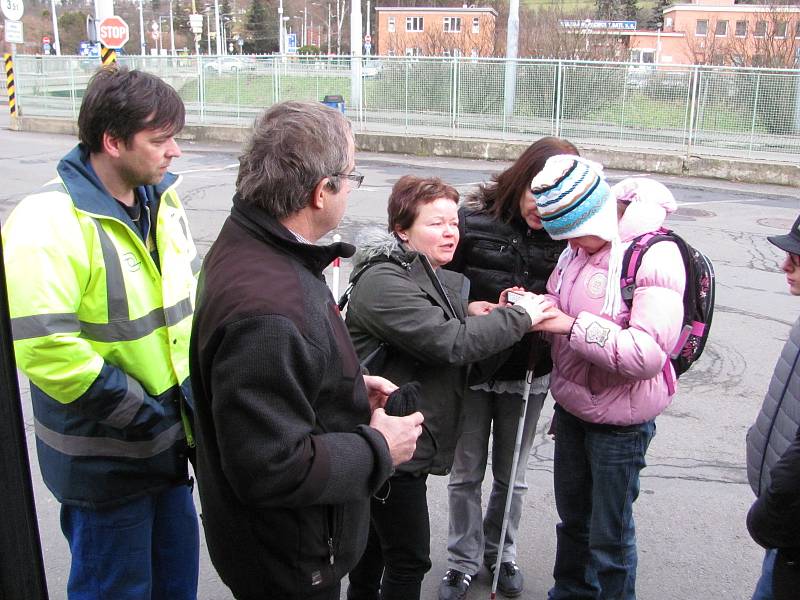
[(454, 585), (510, 583)]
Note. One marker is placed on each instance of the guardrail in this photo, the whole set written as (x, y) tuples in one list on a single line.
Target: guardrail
[(696, 110)]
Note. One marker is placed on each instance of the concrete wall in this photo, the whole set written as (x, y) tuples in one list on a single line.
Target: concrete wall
[(613, 158)]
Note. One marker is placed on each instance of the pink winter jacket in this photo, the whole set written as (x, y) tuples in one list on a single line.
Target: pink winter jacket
[(610, 371)]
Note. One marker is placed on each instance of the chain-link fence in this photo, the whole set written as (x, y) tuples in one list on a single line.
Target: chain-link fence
[(702, 110)]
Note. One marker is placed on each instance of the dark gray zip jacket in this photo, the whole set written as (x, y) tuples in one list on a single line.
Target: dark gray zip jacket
[(422, 315), (777, 423)]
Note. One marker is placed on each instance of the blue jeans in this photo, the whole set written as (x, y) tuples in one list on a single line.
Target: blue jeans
[(764, 585), (146, 549), (596, 478)]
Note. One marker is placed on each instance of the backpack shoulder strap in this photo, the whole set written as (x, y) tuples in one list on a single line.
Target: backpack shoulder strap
[(345, 297), (633, 259)]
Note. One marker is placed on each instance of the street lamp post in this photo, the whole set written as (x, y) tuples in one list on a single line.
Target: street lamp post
[(281, 48), (171, 31), (141, 28), (56, 42)]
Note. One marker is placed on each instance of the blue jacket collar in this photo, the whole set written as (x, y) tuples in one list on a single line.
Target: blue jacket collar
[(90, 195)]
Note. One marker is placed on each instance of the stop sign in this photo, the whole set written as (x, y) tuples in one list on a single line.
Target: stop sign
[(113, 32)]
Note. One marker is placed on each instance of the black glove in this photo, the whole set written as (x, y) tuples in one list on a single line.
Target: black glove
[(404, 400)]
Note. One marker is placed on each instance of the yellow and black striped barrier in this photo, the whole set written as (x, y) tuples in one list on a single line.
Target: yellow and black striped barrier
[(108, 56), (12, 95)]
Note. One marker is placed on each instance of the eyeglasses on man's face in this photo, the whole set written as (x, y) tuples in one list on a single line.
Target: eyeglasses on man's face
[(355, 177)]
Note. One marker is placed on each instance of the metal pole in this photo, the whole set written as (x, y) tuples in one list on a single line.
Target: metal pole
[(56, 40), (512, 43), (355, 52), (208, 38), (21, 565), (216, 12), (305, 23), (281, 48), (329, 28), (171, 31), (141, 28)]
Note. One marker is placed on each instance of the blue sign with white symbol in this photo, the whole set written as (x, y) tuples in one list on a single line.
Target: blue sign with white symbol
[(291, 42)]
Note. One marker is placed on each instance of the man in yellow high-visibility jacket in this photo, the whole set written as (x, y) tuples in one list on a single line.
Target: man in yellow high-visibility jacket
[(101, 271)]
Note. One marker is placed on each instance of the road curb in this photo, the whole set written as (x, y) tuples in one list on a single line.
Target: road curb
[(729, 169)]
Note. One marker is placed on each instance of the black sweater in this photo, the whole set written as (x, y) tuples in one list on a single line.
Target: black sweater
[(285, 460)]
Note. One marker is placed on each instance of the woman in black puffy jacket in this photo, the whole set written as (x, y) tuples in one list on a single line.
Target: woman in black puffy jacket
[(502, 245)]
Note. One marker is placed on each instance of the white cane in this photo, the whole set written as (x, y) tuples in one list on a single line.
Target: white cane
[(337, 267), (512, 480)]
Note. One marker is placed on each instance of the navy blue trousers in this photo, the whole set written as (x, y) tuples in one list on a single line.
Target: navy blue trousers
[(147, 549)]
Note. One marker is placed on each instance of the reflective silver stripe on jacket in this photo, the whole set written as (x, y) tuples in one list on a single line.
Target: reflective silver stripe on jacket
[(75, 445), (117, 296), (126, 410), (33, 326), (121, 331)]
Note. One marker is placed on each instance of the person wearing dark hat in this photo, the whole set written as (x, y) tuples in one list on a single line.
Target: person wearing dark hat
[(773, 455)]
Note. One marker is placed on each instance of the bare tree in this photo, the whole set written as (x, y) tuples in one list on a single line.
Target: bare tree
[(554, 33), (710, 47), (771, 43)]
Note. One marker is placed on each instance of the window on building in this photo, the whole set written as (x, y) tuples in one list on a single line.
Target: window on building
[(721, 29), (413, 52), (452, 24), (476, 25), (473, 53), (701, 27), (390, 25), (741, 28), (414, 24), (797, 31), (668, 23), (759, 60), (648, 56), (737, 60), (780, 29), (761, 29)]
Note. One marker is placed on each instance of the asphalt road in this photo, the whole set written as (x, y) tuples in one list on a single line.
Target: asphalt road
[(693, 544)]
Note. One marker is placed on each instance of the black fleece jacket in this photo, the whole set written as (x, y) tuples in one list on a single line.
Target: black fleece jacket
[(286, 462)]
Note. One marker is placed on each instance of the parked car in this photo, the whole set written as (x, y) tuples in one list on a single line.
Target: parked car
[(372, 68), (230, 64)]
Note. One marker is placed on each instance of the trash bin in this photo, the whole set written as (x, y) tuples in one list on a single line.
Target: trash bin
[(334, 101)]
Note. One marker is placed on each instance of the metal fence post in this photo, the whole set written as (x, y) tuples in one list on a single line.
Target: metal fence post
[(405, 89), (21, 567), (454, 94), (755, 113), (72, 90), (693, 109), (557, 113), (201, 88)]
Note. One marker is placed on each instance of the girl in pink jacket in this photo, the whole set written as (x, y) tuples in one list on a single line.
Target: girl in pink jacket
[(607, 380)]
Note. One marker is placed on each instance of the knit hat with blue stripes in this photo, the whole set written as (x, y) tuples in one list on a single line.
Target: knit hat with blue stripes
[(574, 199)]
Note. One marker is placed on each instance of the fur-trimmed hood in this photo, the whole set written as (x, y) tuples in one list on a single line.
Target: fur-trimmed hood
[(375, 245)]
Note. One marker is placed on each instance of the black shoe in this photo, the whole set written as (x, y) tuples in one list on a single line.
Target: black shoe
[(454, 585), (510, 583)]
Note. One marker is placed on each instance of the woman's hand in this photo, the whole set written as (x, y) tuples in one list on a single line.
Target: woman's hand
[(503, 301), (378, 390), (536, 306), (556, 321), (480, 307)]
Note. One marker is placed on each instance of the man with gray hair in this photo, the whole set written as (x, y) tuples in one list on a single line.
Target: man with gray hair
[(292, 439)]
